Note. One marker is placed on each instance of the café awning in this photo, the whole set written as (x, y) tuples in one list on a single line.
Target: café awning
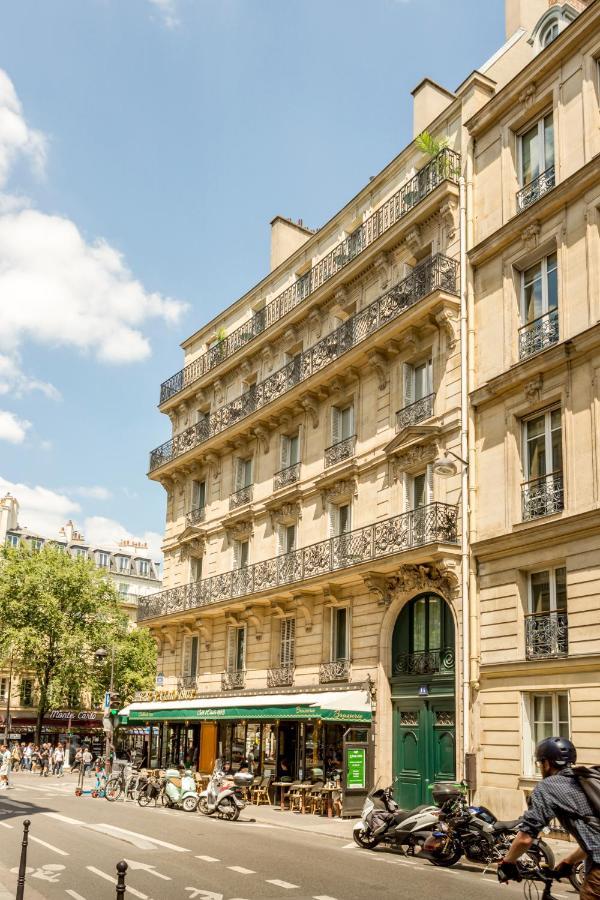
[(334, 706)]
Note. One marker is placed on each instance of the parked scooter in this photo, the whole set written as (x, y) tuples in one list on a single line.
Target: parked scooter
[(383, 822), (180, 790), (224, 794)]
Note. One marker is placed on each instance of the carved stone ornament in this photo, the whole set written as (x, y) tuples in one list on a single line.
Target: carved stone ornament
[(255, 616), (263, 437), (424, 578), (305, 603), (239, 531), (447, 216), (449, 324), (213, 461), (533, 388), (414, 456), (219, 391), (267, 358), (339, 491), (378, 361), (311, 406), (286, 514), (169, 637), (192, 549), (379, 586), (527, 96), (413, 239), (204, 626), (382, 267), (531, 235), (172, 414), (315, 322)]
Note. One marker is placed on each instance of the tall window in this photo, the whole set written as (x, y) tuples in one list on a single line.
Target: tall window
[(537, 150), (340, 519), (287, 645), (340, 636), (190, 655), (543, 445), (236, 649), (143, 567), (102, 559), (196, 568), (122, 563), (26, 692), (342, 423), (546, 626), (539, 289), (12, 540), (241, 554), (287, 539), (547, 715), (243, 475), (290, 450), (418, 489), (198, 494), (418, 381), (3, 689), (548, 591)]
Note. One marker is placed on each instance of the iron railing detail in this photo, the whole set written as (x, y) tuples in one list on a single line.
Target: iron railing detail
[(532, 192), (415, 412), (538, 334), (233, 681), (425, 662), (241, 497), (341, 451), (196, 516), (188, 682), (546, 634), (337, 670), (437, 273), (282, 677), (435, 523), (287, 476), (542, 496), (444, 167)]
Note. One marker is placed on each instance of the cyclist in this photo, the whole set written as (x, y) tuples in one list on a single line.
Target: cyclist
[(559, 796)]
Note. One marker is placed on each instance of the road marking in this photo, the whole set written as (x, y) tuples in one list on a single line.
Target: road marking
[(146, 867), (74, 895), (242, 870), (208, 858), (61, 818), (282, 884), (352, 846), (112, 880), (323, 897), (113, 831), (144, 837), (38, 840), (5, 825), (16, 802)]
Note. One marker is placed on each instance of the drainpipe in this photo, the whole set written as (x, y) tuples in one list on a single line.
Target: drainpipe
[(464, 449)]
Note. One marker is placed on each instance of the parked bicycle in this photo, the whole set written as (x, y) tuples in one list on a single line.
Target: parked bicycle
[(126, 780)]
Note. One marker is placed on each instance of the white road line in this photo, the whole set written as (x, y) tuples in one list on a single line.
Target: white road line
[(323, 897), (5, 825), (61, 818), (241, 870), (130, 890), (38, 840), (351, 847), (145, 837), (16, 802), (74, 895), (282, 884), (203, 858)]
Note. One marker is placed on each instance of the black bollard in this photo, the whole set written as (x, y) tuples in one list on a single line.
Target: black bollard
[(23, 862), (121, 869)]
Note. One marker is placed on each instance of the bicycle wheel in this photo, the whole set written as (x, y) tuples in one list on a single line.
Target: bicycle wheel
[(164, 799), (144, 796), (114, 789)]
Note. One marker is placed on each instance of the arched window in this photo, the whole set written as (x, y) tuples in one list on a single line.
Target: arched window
[(549, 32), (423, 641)]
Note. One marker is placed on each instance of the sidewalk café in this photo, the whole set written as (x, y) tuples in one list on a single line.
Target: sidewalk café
[(284, 735), (65, 725)]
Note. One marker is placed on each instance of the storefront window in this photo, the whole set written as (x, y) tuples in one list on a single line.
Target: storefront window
[(238, 744), (269, 748)]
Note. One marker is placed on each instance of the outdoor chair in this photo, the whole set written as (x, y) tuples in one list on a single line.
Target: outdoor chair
[(316, 799), (294, 795), (261, 794)]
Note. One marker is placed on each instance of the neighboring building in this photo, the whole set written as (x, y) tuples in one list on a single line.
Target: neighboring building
[(128, 564), (320, 572)]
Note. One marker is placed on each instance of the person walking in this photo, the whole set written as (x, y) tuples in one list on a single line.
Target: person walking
[(78, 761), (5, 758), (87, 760), (44, 761), (559, 796), (58, 759)]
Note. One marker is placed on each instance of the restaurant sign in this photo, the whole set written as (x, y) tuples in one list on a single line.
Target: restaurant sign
[(356, 769), (250, 713), (80, 715)]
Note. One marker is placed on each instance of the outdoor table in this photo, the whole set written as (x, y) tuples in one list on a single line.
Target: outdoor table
[(329, 791), (303, 788), (282, 785)]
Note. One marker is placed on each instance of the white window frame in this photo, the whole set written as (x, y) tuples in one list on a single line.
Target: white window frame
[(288, 442), (122, 563), (22, 682), (287, 642), (333, 648), (244, 472), (4, 682), (80, 552), (409, 488), (237, 554), (232, 654), (527, 703), (335, 518), (189, 670), (543, 166), (409, 389), (282, 539), (196, 563), (337, 422), (198, 494), (547, 413), (143, 566), (13, 540), (544, 279), (551, 570)]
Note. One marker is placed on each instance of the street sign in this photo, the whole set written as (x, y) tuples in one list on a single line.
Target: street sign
[(424, 691), (356, 768), (107, 700), (160, 680)]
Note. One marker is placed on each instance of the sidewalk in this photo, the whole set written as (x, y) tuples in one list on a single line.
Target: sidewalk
[(273, 815)]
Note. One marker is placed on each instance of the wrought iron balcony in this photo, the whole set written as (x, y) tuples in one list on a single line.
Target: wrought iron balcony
[(425, 662), (233, 681), (282, 677), (437, 273), (415, 412), (542, 496), (241, 497), (445, 167), (286, 476), (539, 334), (435, 523), (341, 451), (187, 682), (196, 516), (337, 670), (546, 634), (532, 192)]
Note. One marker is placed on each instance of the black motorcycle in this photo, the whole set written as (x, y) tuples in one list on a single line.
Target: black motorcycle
[(383, 823)]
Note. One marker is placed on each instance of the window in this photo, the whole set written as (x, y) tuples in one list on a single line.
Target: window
[(536, 150), (418, 489), (549, 33), (243, 474), (340, 519), (290, 450), (546, 715), (543, 445), (340, 621), (143, 567), (236, 649), (198, 494), (287, 539), (418, 382), (79, 552), (548, 591), (196, 568), (102, 559), (241, 554), (123, 588), (539, 289), (287, 645), (190, 655), (3, 689), (26, 692), (122, 563), (12, 540), (546, 626), (36, 544), (342, 424)]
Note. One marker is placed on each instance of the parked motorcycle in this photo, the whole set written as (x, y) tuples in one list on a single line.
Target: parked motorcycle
[(383, 822), (180, 790), (224, 794)]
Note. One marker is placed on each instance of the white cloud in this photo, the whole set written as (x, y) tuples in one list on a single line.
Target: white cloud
[(12, 428), (16, 136), (168, 12), (108, 532), (15, 382), (94, 492)]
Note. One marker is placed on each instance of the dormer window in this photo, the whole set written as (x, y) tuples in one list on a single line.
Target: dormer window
[(552, 23), (143, 567), (79, 552), (102, 559), (122, 563), (549, 33)]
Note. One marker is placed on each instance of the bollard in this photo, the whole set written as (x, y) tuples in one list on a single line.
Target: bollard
[(23, 862), (121, 869)]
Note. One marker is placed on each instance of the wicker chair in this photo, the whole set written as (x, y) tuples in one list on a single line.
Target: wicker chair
[(261, 793)]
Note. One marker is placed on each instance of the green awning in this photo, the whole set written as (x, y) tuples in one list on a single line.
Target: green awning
[(260, 713)]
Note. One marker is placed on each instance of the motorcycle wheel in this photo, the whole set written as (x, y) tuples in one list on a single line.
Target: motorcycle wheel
[(228, 810), (541, 855), (113, 789), (189, 804), (576, 878), (203, 807), (365, 839), (448, 857)]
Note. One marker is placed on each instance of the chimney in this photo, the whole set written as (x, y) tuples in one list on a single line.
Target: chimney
[(524, 14), (69, 531), (9, 515), (429, 100), (286, 237)]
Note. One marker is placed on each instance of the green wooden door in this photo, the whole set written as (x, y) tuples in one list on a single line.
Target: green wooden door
[(424, 748)]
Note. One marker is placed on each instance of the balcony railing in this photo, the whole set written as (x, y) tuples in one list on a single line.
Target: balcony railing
[(241, 497), (415, 412), (338, 670), (542, 496), (341, 451), (196, 516), (188, 682), (282, 677), (287, 476), (233, 681), (425, 662), (437, 273), (546, 634), (532, 192), (435, 523), (539, 334), (445, 167)]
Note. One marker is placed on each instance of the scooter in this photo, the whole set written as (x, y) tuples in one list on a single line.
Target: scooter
[(224, 794), (180, 790), (383, 822)]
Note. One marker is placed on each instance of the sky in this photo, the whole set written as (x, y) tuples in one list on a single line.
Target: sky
[(145, 145)]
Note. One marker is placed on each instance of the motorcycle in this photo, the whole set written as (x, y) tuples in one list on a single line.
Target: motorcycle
[(383, 822), (475, 832), (180, 790), (224, 794)]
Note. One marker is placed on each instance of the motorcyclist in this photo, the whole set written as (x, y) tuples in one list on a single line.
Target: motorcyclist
[(559, 796)]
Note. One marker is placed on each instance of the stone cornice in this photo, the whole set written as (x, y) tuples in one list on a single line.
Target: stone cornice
[(530, 535), (531, 668)]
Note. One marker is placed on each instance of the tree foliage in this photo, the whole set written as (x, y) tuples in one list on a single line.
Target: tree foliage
[(55, 612)]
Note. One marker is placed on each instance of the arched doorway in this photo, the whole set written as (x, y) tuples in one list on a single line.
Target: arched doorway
[(423, 697)]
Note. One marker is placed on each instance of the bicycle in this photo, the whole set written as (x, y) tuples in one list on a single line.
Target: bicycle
[(153, 789), (123, 782), (530, 876)]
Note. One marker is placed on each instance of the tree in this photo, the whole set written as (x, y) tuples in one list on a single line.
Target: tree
[(56, 611)]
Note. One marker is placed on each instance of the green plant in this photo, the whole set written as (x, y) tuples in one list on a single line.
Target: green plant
[(221, 335), (430, 145)]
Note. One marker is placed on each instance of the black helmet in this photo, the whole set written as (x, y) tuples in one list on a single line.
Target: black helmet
[(558, 751)]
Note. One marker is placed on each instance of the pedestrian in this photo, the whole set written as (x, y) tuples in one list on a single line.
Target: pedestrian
[(44, 761), (78, 761), (16, 758), (27, 754), (58, 759), (4, 766), (87, 760)]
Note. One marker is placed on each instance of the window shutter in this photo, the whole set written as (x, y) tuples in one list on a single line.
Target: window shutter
[(409, 384), (237, 557), (231, 648), (429, 475), (280, 540), (239, 474), (288, 642), (429, 387), (187, 655), (335, 425), (407, 487), (242, 639), (333, 519), (351, 421), (285, 451)]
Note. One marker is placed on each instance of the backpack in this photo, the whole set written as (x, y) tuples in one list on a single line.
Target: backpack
[(588, 779)]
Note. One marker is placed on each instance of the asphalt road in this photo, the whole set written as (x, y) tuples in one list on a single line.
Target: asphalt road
[(75, 844)]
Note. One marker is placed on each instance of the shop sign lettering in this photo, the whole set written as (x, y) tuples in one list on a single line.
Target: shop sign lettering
[(81, 715), (356, 768)]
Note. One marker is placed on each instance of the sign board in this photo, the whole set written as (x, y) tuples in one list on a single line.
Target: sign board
[(160, 680), (107, 700), (356, 768)]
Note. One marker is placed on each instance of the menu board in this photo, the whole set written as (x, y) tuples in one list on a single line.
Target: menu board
[(356, 759)]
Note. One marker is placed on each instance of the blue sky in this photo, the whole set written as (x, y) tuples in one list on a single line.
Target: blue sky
[(144, 147)]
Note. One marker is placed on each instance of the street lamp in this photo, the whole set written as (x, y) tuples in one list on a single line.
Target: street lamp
[(446, 465), (100, 655)]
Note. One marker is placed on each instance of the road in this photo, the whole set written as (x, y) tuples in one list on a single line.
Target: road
[(75, 844)]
